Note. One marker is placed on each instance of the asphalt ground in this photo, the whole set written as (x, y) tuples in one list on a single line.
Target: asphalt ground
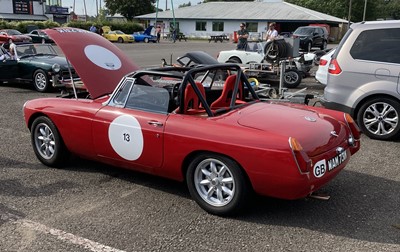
[(88, 206)]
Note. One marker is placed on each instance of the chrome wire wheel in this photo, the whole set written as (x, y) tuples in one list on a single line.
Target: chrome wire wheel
[(214, 182), (40, 81), (44, 140), (380, 118)]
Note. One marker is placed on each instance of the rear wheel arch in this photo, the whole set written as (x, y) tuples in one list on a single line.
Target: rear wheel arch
[(234, 59)]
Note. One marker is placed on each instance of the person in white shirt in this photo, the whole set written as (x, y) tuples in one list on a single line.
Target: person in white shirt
[(11, 48), (271, 33)]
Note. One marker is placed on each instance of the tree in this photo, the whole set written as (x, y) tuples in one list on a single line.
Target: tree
[(376, 9), (389, 9), (130, 8)]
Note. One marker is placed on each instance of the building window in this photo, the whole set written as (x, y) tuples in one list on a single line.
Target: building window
[(201, 26), (218, 26), (252, 26)]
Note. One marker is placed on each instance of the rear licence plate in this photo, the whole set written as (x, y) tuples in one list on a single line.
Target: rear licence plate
[(322, 166), (336, 161)]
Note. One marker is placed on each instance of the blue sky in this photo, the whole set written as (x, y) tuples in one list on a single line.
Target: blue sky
[(91, 5)]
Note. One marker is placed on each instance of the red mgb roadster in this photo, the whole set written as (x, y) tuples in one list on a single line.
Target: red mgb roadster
[(204, 125)]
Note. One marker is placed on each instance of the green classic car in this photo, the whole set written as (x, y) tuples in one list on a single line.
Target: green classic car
[(38, 64)]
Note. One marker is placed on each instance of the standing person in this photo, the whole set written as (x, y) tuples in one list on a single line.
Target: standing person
[(243, 34), (158, 33), (271, 33), (11, 48), (173, 33)]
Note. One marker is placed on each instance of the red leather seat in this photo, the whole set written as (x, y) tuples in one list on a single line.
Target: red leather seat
[(192, 104), (226, 96)]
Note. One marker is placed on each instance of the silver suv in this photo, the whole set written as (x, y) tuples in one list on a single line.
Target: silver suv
[(363, 78)]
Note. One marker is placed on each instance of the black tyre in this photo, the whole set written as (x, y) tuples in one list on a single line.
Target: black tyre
[(47, 142), (120, 40), (378, 118), (217, 184), (146, 40), (292, 78), (275, 49), (41, 81), (323, 46), (308, 47), (234, 60)]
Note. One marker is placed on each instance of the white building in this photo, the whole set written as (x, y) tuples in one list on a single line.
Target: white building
[(33, 10), (217, 18)]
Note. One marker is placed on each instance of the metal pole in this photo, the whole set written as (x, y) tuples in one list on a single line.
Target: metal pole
[(173, 14), (97, 8), (155, 23), (365, 9), (348, 27), (84, 3)]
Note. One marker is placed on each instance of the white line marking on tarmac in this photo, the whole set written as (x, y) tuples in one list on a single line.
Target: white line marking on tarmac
[(68, 237)]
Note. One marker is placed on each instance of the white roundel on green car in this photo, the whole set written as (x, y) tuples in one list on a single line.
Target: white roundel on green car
[(102, 57), (126, 137)]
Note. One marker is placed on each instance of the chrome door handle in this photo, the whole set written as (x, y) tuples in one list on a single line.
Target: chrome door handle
[(155, 123)]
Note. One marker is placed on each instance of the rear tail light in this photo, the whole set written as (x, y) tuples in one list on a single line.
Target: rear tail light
[(355, 131), (304, 163), (323, 62), (334, 67)]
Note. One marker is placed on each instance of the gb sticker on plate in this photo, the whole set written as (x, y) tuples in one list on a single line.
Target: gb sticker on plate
[(320, 168)]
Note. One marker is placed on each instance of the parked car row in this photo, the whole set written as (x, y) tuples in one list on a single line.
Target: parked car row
[(121, 37)]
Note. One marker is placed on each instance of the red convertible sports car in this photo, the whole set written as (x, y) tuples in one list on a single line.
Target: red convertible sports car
[(15, 35), (221, 138)]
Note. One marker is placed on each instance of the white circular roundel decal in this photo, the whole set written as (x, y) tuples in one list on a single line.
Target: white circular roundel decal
[(126, 137), (102, 57)]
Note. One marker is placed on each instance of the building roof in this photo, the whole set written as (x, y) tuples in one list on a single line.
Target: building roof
[(8, 16), (275, 10)]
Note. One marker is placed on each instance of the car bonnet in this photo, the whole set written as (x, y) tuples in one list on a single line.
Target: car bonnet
[(99, 63), (148, 30)]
